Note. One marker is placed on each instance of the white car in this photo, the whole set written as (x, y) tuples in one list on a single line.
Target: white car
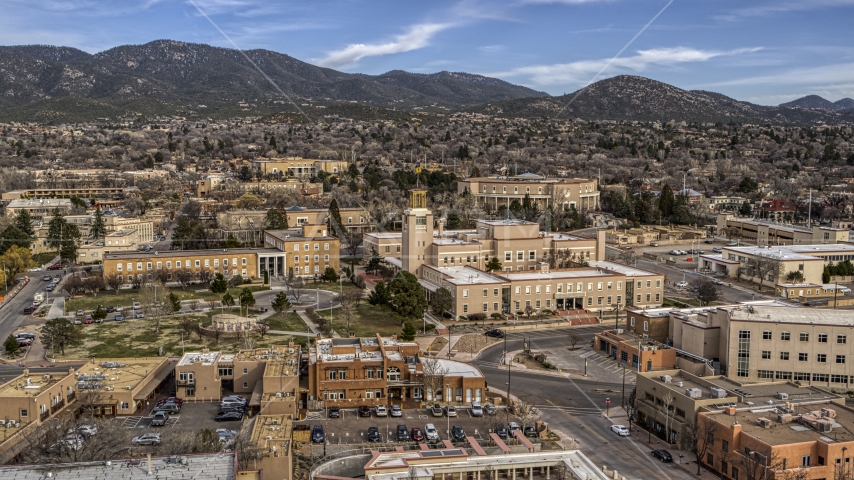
[(620, 430), (674, 252), (396, 411), (682, 284), (717, 250), (451, 411), (382, 411), (717, 281), (430, 433), (732, 244)]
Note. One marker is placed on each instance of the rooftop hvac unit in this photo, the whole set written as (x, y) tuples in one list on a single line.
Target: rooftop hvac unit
[(693, 393), (716, 392), (290, 350), (679, 384), (782, 396), (828, 412), (823, 426), (763, 422), (127, 388), (784, 418), (278, 394), (666, 378)]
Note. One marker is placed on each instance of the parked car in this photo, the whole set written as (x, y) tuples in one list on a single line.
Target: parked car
[(732, 244), (490, 409), (494, 333), (512, 426), (25, 336), (119, 318), (653, 244), (46, 278), (476, 409), (170, 408), (674, 252), (57, 279), (138, 315), (708, 240), (49, 288), (111, 309), (381, 411), (24, 343), (530, 431), (717, 250), (457, 433), (396, 411), (334, 412), (147, 439), (88, 321), (374, 434), (80, 313), (136, 306), (431, 433), (682, 284), (317, 435), (402, 433), (717, 281), (228, 417), (119, 308), (235, 398), (364, 411), (620, 430), (177, 400), (662, 455), (501, 431), (417, 435), (160, 419), (436, 410), (87, 430), (451, 411), (30, 309)]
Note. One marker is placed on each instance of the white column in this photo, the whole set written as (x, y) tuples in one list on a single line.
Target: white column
[(548, 471)]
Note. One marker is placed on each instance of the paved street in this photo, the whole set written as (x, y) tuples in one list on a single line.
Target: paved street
[(575, 405), (11, 315)]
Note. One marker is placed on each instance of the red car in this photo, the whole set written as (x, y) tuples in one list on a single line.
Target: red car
[(88, 320), (416, 434), (55, 267), (171, 400)]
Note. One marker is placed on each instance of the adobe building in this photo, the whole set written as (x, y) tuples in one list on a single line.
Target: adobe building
[(385, 371), (27, 401), (272, 435), (579, 193), (122, 386), (637, 353)]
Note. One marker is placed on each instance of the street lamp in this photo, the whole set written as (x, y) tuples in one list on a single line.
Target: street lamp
[(448, 393)]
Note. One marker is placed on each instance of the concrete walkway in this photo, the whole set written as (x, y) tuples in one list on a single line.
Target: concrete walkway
[(311, 325)]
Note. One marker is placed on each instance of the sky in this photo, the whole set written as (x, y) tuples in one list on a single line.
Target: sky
[(762, 51)]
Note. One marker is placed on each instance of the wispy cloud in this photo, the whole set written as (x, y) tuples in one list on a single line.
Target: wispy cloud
[(565, 2), (821, 75), (777, 7), (492, 48), (576, 73), (418, 36)]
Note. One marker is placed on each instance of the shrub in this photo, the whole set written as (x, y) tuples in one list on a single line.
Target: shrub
[(477, 316), (463, 317), (497, 316), (430, 327)]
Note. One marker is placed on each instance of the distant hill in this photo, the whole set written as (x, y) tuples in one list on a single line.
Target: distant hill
[(187, 75), (811, 101), (844, 103), (628, 97)]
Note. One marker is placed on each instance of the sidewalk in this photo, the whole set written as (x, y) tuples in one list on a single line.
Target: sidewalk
[(311, 325)]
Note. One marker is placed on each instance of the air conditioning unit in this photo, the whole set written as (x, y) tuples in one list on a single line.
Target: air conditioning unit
[(290, 350), (127, 388), (764, 422), (716, 392), (693, 393), (824, 427), (275, 421), (666, 378), (278, 394), (782, 396)]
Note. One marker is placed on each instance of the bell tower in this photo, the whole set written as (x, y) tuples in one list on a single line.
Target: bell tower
[(417, 232)]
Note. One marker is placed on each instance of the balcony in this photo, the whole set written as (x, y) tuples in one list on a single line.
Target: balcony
[(71, 396), (185, 382), (57, 407), (44, 415)]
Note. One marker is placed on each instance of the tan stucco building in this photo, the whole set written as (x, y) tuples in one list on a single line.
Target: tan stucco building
[(583, 194)]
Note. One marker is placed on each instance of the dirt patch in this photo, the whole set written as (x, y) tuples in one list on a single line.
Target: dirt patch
[(473, 342), (438, 344), (529, 362)]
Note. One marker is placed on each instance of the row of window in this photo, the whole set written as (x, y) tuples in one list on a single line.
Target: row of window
[(469, 259), (520, 255), (197, 275), (306, 247), (805, 376), (802, 357), (802, 336), (307, 258), (182, 264)]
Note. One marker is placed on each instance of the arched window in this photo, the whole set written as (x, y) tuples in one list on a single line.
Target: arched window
[(452, 259), (393, 374), (468, 259), (446, 260)]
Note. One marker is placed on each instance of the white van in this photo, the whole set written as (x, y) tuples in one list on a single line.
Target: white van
[(476, 409), (430, 433)]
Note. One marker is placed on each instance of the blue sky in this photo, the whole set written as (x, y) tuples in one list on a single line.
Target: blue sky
[(763, 51)]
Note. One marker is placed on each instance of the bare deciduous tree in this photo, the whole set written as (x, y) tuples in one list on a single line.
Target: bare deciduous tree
[(433, 374)]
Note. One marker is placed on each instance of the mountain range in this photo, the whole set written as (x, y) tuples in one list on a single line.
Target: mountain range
[(164, 77)]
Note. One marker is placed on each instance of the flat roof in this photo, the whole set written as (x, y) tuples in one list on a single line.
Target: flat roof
[(30, 385), (212, 466), (581, 272), (191, 358), (768, 223), (130, 372), (273, 431), (296, 233), (466, 275), (155, 254), (762, 313), (802, 427), (624, 269), (458, 369), (39, 202), (501, 223)]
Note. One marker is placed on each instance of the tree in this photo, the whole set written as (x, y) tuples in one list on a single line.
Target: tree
[(17, 260), (113, 282), (442, 301), (275, 220), (795, 276), (747, 185), (408, 298), (281, 303), (354, 241), (231, 242), (762, 267), (493, 265), (63, 236), (228, 300), (24, 223), (374, 261), (746, 209), (11, 345), (57, 333), (329, 275), (248, 201), (13, 236), (666, 201), (380, 295), (707, 292), (99, 313), (174, 302), (247, 299), (150, 298), (574, 338), (335, 225), (348, 301), (630, 406), (433, 374), (99, 227), (219, 285), (263, 326), (529, 310), (408, 333)]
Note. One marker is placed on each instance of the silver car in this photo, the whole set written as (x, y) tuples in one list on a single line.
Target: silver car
[(147, 439)]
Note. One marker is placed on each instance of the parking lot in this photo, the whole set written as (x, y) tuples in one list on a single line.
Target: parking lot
[(192, 418), (350, 428)]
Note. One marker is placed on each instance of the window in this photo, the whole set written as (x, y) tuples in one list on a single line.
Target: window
[(243, 261), (538, 289), (226, 371), (841, 339), (245, 384), (724, 446), (393, 374), (820, 377), (124, 406), (198, 263), (495, 306), (527, 290), (465, 308), (494, 292), (465, 293), (645, 325), (801, 376), (840, 359), (734, 473), (822, 338), (216, 263), (784, 355), (802, 357), (609, 285), (507, 257), (245, 371), (765, 373), (485, 292), (766, 335), (485, 307), (599, 286), (520, 256), (207, 263), (24, 412), (532, 255), (805, 461), (839, 378), (766, 354), (785, 336), (805, 337), (821, 358)]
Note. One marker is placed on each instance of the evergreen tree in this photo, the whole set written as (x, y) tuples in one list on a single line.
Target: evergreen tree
[(174, 302), (380, 296), (493, 265), (408, 333), (24, 222), (408, 298), (228, 300), (329, 275), (231, 242), (218, 284), (11, 345), (276, 220), (99, 227), (335, 224), (666, 201), (374, 262), (13, 236), (442, 301), (281, 303)]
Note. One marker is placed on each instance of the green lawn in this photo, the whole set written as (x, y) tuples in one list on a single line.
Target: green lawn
[(367, 321), (288, 322), (332, 287), (136, 338), (41, 258), (126, 297)]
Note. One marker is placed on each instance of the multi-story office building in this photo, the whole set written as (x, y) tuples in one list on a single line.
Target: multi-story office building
[(40, 209), (308, 250), (384, 371), (298, 167), (765, 232), (583, 194)]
